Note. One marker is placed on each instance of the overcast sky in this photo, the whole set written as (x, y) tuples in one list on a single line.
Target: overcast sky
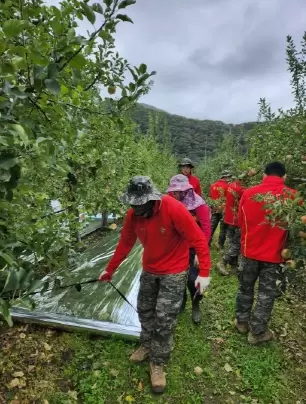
[(214, 58)]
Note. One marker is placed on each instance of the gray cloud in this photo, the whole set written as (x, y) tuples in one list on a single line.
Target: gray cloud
[(214, 58)]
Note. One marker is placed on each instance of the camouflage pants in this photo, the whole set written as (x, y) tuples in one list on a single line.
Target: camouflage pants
[(233, 252), (270, 277), (159, 302), (217, 218)]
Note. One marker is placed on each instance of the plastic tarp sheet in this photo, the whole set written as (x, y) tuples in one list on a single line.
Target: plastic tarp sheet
[(97, 308)]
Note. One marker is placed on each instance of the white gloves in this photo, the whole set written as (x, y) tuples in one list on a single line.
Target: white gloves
[(202, 283)]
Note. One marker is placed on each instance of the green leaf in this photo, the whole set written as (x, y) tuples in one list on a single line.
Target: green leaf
[(5, 311), (53, 86), (11, 282), (106, 36), (21, 132), (97, 8), (53, 69), (14, 27), (7, 258), (124, 17), (78, 61), (2, 47), (7, 68), (142, 68), (88, 12), (126, 3), (38, 58), (8, 162), (107, 2)]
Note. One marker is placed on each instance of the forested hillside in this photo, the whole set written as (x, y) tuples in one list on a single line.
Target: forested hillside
[(190, 137)]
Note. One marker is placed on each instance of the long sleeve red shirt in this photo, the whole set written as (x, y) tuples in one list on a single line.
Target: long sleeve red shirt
[(203, 215), (195, 182), (218, 189), (260, 240), (233, 195), (166, 238)]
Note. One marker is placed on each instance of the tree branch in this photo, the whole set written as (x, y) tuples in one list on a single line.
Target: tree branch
[(93, 83), (38, 107), (91, 38)]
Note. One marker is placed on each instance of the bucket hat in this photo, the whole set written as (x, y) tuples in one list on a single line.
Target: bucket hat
[(179, 183), (140, 190), (186, 162)]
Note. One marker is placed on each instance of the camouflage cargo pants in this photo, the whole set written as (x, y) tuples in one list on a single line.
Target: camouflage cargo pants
[(217, 218), (159, 302), (233, 252), (270, 277)]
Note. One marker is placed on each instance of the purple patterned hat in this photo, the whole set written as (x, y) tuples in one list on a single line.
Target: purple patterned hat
[(179, 183)]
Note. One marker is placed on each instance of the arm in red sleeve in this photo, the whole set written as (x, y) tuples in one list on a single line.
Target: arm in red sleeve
[(203, 214), (187, 227), (126, 243)]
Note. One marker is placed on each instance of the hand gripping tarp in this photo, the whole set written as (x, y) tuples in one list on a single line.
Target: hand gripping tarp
[(97, 308)]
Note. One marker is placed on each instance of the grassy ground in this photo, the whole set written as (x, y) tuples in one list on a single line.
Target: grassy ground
[(57, 368)]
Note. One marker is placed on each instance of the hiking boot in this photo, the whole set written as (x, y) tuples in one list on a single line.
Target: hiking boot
[(158, 378), (196, 312), (234, 269), (222, 268), (243, 328), (257, 339), (140, 355)]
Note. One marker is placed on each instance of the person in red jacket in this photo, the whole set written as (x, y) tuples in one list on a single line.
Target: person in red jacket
[(186, 167), (166, 230), (183, 191), (217, 192), (233, 196), (261, 246)]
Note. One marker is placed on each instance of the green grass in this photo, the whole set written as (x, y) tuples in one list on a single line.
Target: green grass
[(97, 370)]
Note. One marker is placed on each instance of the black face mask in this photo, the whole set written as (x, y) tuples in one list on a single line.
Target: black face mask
[(145, 210)]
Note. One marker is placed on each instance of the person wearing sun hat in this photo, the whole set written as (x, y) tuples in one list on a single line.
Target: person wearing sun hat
[(182, 190), (166, 230), (186, 166)]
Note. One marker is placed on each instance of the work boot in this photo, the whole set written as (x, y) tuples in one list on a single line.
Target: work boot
[(196, 312), (222, 268), (257, 339), (158, 378), (243, 328), (140, 355)]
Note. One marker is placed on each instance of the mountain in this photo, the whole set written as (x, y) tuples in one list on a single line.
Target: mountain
[(190, 137)]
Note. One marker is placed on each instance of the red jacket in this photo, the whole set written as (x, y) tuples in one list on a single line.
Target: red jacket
[(166, 238), (233, 195), (259, 239), (218, 189), (195, 182)]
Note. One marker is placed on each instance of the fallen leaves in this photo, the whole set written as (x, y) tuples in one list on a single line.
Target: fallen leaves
[(228, 367), (47, 346), (18, 374), (17, 382), (22, 335), (198, 370), (114, 372)]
